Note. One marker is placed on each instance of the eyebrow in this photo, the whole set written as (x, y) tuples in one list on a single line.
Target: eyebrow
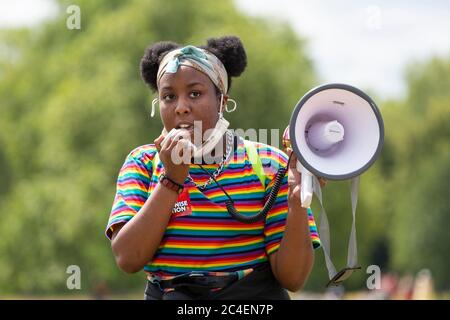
[(192, 84)]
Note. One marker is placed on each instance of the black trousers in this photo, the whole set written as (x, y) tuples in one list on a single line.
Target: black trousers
[(260, 284)]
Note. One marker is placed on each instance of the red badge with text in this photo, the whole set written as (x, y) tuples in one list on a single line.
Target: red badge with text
[(183, 205)]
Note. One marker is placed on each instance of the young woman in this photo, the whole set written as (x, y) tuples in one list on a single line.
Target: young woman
[(170, 218)]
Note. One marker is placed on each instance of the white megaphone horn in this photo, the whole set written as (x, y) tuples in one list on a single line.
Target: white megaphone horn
[(336, 131)]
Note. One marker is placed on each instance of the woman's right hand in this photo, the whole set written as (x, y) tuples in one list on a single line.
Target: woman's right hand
[(167, 148)]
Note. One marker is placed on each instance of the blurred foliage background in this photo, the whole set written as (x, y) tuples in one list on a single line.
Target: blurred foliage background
[(72, 105)]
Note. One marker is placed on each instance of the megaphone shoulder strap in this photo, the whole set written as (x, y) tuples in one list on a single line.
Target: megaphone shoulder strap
[(155, 161), (324, 228), (352, 257), (255, 161)]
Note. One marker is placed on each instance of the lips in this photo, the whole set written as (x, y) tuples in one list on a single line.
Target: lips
[(185, 125), (188, 129), (195, 132)]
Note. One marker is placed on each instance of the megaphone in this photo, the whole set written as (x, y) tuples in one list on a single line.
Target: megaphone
[(337, 132)]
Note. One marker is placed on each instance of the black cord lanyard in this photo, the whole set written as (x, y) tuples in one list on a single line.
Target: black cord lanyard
[(267, 206)]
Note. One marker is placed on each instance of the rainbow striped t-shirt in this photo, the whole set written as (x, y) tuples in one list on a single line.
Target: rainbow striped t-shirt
[(210, 240)]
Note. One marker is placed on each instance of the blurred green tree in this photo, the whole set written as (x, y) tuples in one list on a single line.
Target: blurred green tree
[(420, 224)]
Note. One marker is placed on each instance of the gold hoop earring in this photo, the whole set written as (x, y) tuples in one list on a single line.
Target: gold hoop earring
[(154, 102), (234, 107)]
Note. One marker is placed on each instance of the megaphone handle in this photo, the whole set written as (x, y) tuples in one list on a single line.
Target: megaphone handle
[(306, 192)]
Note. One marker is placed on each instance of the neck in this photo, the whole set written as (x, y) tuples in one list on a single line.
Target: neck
[(220, 152), (217, 153)]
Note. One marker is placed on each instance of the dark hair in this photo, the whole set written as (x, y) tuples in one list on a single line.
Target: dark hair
[(228, 49)]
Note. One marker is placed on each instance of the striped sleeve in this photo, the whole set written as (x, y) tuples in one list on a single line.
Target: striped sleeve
[(131, 192), (273, 159)]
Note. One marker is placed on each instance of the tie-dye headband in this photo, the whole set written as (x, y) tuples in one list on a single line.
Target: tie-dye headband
[(198, 58)]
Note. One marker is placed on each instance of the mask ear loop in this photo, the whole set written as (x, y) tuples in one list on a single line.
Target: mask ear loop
[(221, 106), (234, 107), (154, 102)]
